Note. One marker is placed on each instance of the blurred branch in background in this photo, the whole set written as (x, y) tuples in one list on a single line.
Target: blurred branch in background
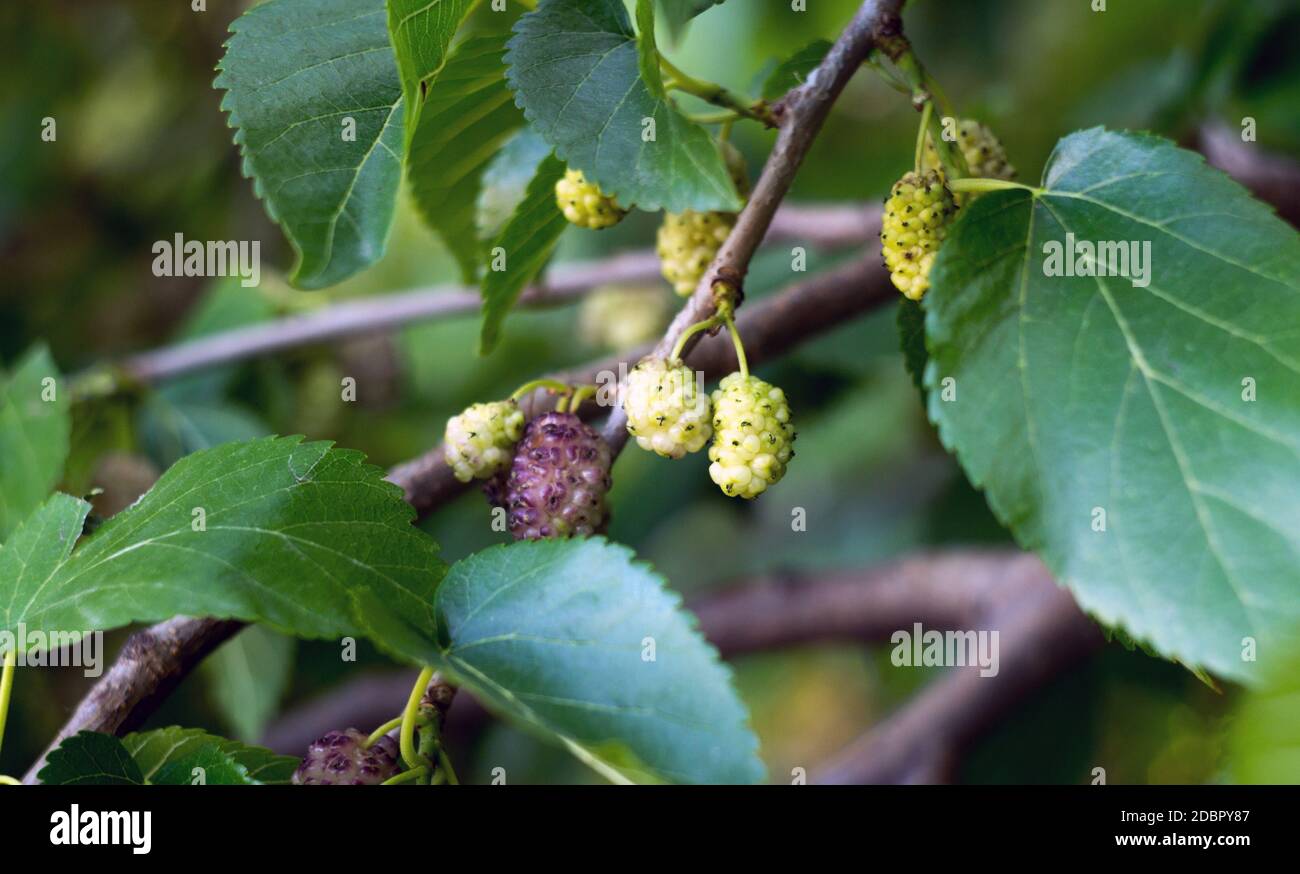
[(828, 227)]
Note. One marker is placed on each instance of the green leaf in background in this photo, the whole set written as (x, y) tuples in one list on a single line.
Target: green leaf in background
[(192, 413), (467, 116), (506, 178), (421, 32), (794, 70), (526, 241), (248, 676), (34, 426), (1173, 407), (678, 13), (558, 635), (303, 537), (294, 73), (91, 759), (647, 53), (1265, 740), (170, 429), (574, 68), (167, 756)]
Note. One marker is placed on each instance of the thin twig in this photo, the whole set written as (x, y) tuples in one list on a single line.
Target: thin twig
[(816, 226)]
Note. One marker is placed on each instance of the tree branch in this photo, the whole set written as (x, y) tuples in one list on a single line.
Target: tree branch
[(801, 114), (822, 227)]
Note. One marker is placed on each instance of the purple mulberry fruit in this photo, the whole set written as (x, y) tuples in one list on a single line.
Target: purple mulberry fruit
[(340, 759), (557, 482)]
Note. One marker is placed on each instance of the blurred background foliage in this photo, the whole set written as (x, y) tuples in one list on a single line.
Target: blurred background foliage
[(143, 153)]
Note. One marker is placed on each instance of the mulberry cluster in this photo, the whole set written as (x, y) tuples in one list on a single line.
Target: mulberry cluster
[(687, 243), (557, 482), (985, 156), (480, 441), (917, 214), (620, 317), (753, 436), (667, 411), (340, 758), (584, 204)]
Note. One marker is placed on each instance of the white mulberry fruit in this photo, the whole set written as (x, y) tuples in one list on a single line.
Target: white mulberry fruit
[(620, 317), (667, 410), (917, 214), (584, 204), (687, 243), (753, 436), (481, 440)]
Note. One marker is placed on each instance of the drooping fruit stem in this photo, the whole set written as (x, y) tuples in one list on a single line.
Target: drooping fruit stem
[(694, 329), (528, 387), (384, 729), (409, 754)]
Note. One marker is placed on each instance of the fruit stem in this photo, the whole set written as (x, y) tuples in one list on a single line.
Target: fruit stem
[(726, 116), (735, 341), (710, 322), (981, 185), (381, 731), (920, 135), (409, 753), (526, 388), (580, 395), (7, 685), (406, 776), (711, 92)]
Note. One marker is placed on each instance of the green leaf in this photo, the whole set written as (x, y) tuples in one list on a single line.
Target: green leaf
[(647, 53), (295, 72), (37, 548), (90, 758), (468, 115), (421, 32), (555, 634), (574, 68), (171, 428), (247, 676), (506, 178), (678, 13), (794, 70), (1079, 393), (34, 427), (168, 756), (526, 240), (305, 538), (911, 339)]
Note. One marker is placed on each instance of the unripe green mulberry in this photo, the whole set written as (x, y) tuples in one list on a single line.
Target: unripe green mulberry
[(687, 244), (481, 440), (753, 436), (916, 219), (620, 316), (985, 156), (584, 205), (667, 410)]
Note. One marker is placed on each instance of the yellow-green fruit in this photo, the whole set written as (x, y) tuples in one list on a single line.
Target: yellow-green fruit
[(584, 205), (917, 215), (620, 316), (481, 441), (687, 244), (667, 410), (985, 156), (753, 436)]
